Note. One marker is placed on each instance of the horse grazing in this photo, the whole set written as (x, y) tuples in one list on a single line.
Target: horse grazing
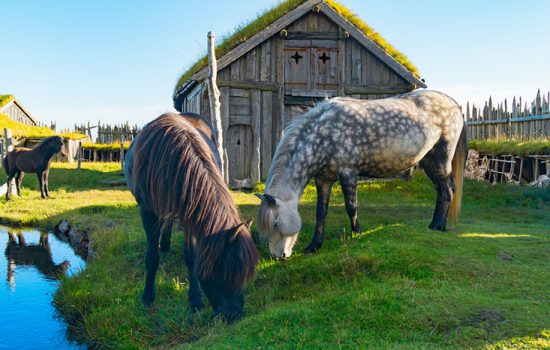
[(37, 160), (344, 138), (173, 170)]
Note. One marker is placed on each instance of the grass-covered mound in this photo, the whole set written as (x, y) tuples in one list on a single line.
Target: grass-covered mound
[(247, 30), (23, 130), (517, 148), (5, 99), (483, 284)]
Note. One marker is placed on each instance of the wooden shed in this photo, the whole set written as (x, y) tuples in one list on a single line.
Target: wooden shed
[(313, 49), (11, 107)]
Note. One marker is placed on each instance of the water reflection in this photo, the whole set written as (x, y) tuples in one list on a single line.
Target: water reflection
[(18, 252), (33, 262)]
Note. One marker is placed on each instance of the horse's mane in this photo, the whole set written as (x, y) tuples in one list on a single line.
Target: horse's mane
[(183, 181), (46, 141), (287, 145)]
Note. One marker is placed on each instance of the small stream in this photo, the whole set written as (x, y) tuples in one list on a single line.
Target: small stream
[(31, 262)]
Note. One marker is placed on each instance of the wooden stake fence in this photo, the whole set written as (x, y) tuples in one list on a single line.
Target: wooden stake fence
[(520, 120)]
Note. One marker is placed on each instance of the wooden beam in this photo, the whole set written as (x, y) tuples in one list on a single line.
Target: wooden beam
[(256, 130), (312, 35), (364, 90), (247, 85), (260, 37)]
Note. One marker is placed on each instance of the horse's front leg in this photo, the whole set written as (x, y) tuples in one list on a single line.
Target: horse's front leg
[(18, 181), (46, 182), (348, 180), (151, 225), (324, 189), (194, 293), (11, 175)]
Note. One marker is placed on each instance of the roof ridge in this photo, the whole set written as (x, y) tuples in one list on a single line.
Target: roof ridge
[(268, 17)]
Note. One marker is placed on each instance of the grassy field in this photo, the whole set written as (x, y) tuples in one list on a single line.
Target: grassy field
[(398, 285)]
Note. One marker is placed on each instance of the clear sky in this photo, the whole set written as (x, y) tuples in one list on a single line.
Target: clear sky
[(74, 61)]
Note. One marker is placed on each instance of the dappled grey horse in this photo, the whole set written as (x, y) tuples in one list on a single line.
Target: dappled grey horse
[(344, 138)]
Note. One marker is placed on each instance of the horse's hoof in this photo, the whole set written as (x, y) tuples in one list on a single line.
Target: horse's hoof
[(147, 300), (195, 307), (437, 227), (312, 247)]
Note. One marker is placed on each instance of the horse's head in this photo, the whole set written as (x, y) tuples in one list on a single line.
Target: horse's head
[(223, 280), (280, 223), (56, 144)]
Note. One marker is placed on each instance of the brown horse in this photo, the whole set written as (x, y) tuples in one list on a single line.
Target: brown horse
[(173, 170), (37, 160)]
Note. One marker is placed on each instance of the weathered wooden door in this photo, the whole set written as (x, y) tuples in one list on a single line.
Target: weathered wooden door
[(239, 139), (239, 151)]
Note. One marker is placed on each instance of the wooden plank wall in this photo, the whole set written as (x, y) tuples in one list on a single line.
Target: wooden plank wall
[(253, 91), (16, 114), (516, 120)]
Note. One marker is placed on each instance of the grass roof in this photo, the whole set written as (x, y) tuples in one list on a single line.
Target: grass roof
[(245, 31), (5, 99), (24, 130), (513, 147)]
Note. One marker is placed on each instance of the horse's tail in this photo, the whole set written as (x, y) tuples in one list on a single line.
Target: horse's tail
[(459, 160), (5, 165)]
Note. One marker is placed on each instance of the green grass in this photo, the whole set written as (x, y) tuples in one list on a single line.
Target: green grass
[(245, 31), (105, 146), (398, 285), (518, 148), (23, 130), (5, 99)]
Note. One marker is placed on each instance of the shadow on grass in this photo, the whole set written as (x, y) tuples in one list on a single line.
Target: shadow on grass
[(72, 180)]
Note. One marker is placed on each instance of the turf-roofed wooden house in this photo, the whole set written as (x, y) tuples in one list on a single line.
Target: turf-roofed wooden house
[(12, 108), (276, 67)]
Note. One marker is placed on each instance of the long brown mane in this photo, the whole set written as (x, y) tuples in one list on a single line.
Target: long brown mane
[(177, 169)]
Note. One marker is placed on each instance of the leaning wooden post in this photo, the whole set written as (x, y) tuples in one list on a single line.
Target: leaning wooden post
[(122, 156), (214, 99)]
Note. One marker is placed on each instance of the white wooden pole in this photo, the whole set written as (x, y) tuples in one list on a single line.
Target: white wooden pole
[(214, 98)]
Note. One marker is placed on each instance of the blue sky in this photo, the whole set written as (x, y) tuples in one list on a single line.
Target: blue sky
[(74, 61)]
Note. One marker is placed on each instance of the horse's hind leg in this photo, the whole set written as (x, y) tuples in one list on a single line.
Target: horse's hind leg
[(438, 168), (194, 293), (349, 188), (11, 175), (151, 224), (323, 197), (165, 238), (18, 181)]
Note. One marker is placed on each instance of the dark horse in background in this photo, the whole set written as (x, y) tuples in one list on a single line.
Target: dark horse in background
[(173, 170), (19, 253), (37, 160), (344, 138)]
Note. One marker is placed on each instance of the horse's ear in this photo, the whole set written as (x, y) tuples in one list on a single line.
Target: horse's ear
[(234, 232), (270, 200)]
